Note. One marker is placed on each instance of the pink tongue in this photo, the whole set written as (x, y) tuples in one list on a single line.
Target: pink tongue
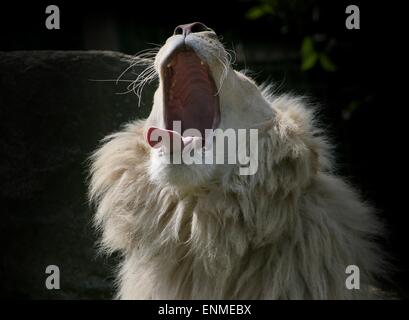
[(169, 140)]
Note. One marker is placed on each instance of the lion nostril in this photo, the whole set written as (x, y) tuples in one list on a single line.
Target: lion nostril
[(178, 30), (198, 27), (185, 29)]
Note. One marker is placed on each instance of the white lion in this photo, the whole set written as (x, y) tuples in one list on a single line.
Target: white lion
[(205, 231)]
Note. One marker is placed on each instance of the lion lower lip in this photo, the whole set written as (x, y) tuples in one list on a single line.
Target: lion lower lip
[(189, 93)]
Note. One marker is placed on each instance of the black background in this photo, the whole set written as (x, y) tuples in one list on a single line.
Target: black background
[(372, 67)]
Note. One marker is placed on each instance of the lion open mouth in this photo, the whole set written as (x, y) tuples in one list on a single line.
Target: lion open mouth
[(189, 97)]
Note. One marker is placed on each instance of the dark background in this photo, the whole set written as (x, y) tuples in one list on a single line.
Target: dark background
[(52, 116)]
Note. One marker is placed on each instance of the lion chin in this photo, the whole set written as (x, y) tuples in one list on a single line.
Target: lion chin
[(205, 231)]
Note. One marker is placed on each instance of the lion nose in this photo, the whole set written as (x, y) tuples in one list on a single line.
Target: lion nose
[(185, 29)]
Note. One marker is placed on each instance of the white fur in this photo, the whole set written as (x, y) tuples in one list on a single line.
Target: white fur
[(287, 232)]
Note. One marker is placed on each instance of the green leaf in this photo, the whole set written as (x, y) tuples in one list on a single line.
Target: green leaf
[(255, 13), (326, 63), (309, 56), (309, 61), (307, 47), (259, 11)]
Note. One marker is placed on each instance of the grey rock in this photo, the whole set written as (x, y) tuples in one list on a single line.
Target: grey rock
[(53, 114)]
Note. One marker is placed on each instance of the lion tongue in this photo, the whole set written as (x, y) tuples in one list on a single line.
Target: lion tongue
[(171, 141)]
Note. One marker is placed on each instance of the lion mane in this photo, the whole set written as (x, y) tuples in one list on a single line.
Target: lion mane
[(287, 232)]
